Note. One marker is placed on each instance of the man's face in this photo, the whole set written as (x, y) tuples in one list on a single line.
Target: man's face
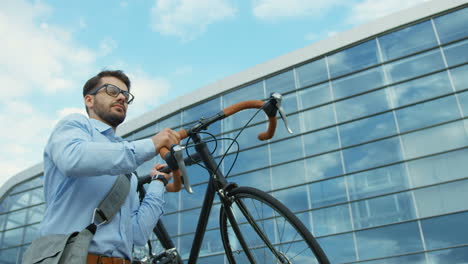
[(110, 110)]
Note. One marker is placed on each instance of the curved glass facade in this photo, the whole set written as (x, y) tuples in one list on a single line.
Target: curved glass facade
[(376, 167)]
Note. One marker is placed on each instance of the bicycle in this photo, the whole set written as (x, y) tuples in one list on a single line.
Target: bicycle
[(252, 222)]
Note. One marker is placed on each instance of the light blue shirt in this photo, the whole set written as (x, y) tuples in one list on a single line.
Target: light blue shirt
[(81, 161)]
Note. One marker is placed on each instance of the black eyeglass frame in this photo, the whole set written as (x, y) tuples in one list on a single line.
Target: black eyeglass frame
[(127, 95)]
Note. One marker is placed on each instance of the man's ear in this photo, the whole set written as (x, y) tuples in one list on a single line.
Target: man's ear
[(89, 101)]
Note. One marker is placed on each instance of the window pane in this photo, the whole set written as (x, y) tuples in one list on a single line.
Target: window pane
[(35, 182), (442, 199), (453, 255), (331, 220), (318, 117), (170, 122), (456, 53), (445, 231), (362, 105), (206, 109), (321, 141), (415, 66), (440, 168), (323, 166), (172, 202), (288, 174), (12, 237), (31, 232), (421, 89), (452, 26), (409, 259), (428, 113), (19, 200), (15, 219), (171, 222), (8, 256), (433, 140), (312, 72), (145, 132), (353, 59), (339, 248), (391, 240), (379, 181), (281, 132), (35, 214), (295, 199), (372, 154), (195, 199), (315, 95), (367, 129), (259, 179), (358, 83), (328, 192), (460, 77), (463, 98), (383, 210), (248, 160), (408, 40), (281, 83)]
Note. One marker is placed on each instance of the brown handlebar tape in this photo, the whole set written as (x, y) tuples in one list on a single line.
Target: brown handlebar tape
[(177, 184), (270, 131), (230, 110)]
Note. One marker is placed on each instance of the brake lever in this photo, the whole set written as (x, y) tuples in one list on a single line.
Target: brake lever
[(177, 154), (278, 98)]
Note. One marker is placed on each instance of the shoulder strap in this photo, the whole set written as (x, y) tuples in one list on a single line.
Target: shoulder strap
[(113, 201)]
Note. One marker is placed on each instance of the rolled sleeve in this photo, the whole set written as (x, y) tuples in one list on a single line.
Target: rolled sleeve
[(144, 150)]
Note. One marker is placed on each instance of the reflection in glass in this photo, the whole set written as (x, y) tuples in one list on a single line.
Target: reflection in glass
[(289, 103), (378, 181), (295, 199), (442, 199), (339, 248), (31, 183), (452, 26), (353, 59), (389, 240), (12, 237), (408, 259), (198, 111), (463, 99), (312, 72), (248, 160), (15, 219), (329, 192), (315, 95), (453, 255), (9, 256), (427, 114), (363, 105), (171, 222), (456, 53), (367, 129), (460, 77), (408, 40), (383, 210), (372, 154), (19, 200), (170, 122), (172, 201), (321, 141), (195, 199), (318, 117), (189, 220), (281, 83), (445, 231), (30, 233), (358, 83), (145, 132), (414, 66), (288, 174), (331, 220), (212, 259), (259, 179), (35, 214), (286, 150), (281, 132), (433, 140), (324, 166)]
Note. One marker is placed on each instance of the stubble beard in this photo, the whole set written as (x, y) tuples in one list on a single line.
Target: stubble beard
[(107, 116)]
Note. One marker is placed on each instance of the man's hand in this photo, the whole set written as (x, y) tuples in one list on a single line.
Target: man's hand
[(165, 138), (155, 171)]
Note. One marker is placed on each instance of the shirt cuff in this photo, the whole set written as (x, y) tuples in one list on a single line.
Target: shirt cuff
[(144, 150)]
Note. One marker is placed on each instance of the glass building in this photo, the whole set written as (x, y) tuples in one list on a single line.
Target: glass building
[(377, 167)]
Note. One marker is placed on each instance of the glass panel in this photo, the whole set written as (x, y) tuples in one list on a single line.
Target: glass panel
[(206, 109), (456, 53), (35, 214), (383, 210), (248, 160), (295, 198), (409, 259), (259, 179), (171, 122), (372, 154), (376, 182), (16, 219), (428, 113), (171, 222), (353, 59), (442, 199), (281, 83), (433, 140), (288, 174), (445, 231), (329, 192), (367, 129), (460, 77), (421, 89), (363, 105), (463, 99), (440, 168), (19, 200), (331, 220), (5, 204), (452, 26), (35, 182), (391, 240), (212, 259), (286, 150), (408, 40), (312, 72), (318, 117), (9, 256), (12, 237), (281, 132), (211, 243), (189, 220), (358, 83), (195, 199), (146, 132), (339, 249), (324, 166), (252, 92), (37, 196), (172, 202), (415, 66), (453, 256), (315, 95), (290, 102), (31, 232), (321, 141), (248, 137)]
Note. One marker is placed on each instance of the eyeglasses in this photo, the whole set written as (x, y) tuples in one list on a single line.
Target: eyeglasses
[(114, 91)]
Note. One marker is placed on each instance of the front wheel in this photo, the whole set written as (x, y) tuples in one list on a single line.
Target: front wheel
[(265, 231)]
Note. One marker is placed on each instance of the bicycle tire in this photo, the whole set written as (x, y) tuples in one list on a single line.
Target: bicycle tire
[(300, 245)]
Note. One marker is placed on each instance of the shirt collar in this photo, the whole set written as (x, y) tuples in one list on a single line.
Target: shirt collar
[(103, 128)]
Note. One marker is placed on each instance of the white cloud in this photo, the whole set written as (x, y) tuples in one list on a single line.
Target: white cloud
[(186, 19), (107, 46), (372, 9), (277, 9)]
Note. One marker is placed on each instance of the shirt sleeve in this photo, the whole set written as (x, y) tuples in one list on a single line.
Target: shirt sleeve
[(75, 154), (146, 215)]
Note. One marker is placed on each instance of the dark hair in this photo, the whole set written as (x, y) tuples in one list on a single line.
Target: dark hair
[(94, 81)]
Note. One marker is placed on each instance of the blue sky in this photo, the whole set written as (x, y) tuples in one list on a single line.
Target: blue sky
[(49, 48)]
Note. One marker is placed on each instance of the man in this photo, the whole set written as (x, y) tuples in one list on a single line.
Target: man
[(81, 161)]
